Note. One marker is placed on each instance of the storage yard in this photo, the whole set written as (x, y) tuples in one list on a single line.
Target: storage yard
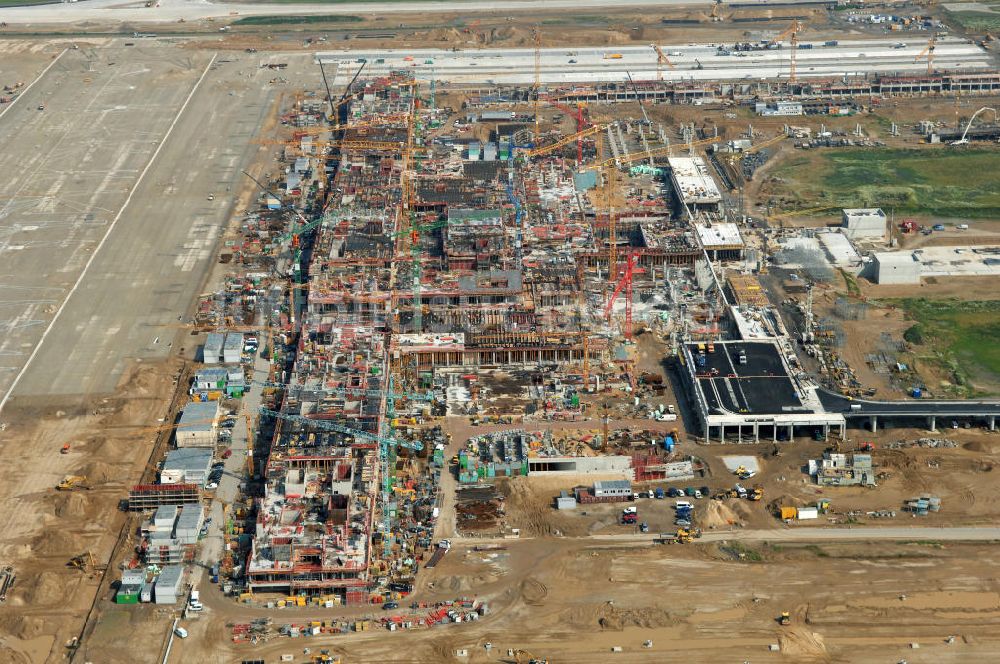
[(624, 349)]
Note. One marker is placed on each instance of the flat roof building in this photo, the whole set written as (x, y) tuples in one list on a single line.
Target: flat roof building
[(721, 241), (693, 183), (896, 267), (864, 223), (186, 465), (198, 425)]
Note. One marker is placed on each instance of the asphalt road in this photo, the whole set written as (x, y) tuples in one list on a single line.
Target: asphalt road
[(169, 11), (836, 403), (690, 61), (794, 534)]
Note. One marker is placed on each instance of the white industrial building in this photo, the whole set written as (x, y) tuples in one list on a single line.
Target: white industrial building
[(232, 349), (896, 267), (168, 585), (864, 223), (212, 350), (693, 183), (198, 426), (188, 465), (721, 241), (612, 488)]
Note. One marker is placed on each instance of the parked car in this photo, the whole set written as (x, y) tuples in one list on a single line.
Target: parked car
[(681, 504), (228, 453), (683, 523), (674, 492), (390, 605)]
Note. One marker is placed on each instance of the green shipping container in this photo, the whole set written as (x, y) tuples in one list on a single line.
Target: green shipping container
[(127, 598)]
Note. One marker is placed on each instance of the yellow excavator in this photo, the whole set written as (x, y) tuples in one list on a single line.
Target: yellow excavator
[(71, 482), (525, 657), (756, 493)]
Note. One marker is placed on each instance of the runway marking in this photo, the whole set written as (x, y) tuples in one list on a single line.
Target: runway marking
[(107, 234)]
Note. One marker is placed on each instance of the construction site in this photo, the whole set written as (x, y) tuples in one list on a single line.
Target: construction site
[(471, 344)]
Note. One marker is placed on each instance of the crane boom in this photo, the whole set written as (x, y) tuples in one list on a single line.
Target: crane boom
[(566, 140), (347, 431)]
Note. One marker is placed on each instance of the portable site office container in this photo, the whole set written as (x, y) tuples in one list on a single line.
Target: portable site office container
[(212, 351)]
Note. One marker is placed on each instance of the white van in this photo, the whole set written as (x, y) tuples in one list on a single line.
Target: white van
[(683, 503), (181, 632)]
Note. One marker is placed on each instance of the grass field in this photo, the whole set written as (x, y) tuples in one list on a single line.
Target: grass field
[(285, 20), (961, 337), (942, 182)]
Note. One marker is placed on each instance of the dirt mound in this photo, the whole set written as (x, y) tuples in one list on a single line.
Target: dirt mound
[(57, 542), (70, 505), (460, 583), (614, 619), (99, 472), (24, 627), (46, 588), (983, 447), (533, 591), (720, 515), (802, 643), (784, 500)]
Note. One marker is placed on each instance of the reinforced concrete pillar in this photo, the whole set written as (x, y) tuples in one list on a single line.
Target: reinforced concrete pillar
[(826, 431), (932, 420), (774, 433), (756, 432), (874, 423), (993, 423), (722, 433)]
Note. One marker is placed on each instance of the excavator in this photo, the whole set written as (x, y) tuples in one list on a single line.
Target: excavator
[(525, 657), (71, 482), (82, 561), (757, 493), (785, 619)]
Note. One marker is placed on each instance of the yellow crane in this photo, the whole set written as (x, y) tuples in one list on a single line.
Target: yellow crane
[(792, 33), (638, 156), (928, 54), (661, 59), (566, 140)]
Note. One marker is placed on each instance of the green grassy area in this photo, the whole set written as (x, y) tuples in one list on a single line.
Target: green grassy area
[(961, 337), (976, 21), (941, 182), (286, 20)]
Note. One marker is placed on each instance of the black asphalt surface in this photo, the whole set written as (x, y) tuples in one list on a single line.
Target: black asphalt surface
[(837, 403), (760, 386)]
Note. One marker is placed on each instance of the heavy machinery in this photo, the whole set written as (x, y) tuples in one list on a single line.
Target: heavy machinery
[(757, 493), (785, 619), (82, 561), (71, 482), (687, 535), (65, 449), (928, 53), (525, 657)]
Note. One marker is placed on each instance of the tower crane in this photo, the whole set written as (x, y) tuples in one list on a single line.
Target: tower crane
[(661, 59), (928, 54), (414, 396), (624, 283), (792, 33), (327, 425), (566, 140)]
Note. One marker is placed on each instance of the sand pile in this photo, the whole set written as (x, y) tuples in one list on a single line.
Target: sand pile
[(46, 588), (719, 514), (70, 505), (802, 644)]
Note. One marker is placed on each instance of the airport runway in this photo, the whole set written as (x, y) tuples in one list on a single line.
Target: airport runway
[(169, 11), (80, 298), (691, 62)]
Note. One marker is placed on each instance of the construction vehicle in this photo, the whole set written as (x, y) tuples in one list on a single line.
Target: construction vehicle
[(71, 482), (525, 657), (65, 449), (785, 619), (82, 561), (687, 535), (757, 493)]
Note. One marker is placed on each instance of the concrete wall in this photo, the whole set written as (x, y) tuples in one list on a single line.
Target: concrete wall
[(580, 465), (894, 268)]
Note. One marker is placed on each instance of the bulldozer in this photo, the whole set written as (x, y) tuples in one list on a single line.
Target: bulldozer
[(785, 619), (71, 482)]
